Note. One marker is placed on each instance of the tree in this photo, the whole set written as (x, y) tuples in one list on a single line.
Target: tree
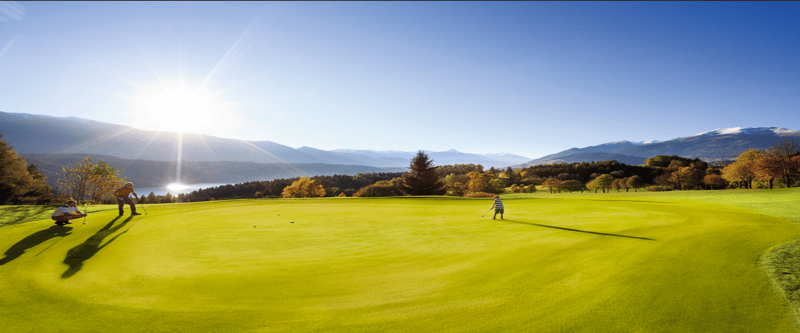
[(687, 177), (457, 185), (604, 182), (623, 184), (104, 180), (151, 198), (572, 185), (780, 161), (304, 188), (593, 185), (20, 183), (713, 181), (615, 184), (88, 181), (635, 182), (552, 184), (743, 170), (510, 175), (422, 179), (483, 182)]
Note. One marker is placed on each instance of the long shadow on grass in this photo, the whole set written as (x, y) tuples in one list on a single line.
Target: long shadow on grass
[(576, 230), (22, 214), (33, 240), (77, 255)]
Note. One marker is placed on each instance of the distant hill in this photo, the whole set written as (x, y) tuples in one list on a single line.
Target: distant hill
[(711, 146), (444, 157), (148, 173), (39, 134)]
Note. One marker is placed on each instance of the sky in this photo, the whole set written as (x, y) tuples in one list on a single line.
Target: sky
[(527, 78)]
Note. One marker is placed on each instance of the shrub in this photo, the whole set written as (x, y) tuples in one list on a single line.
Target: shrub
[(531, 188), (379, 190)]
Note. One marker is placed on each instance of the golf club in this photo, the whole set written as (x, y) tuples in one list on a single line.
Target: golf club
[(145, 209), (85, 212), (487, 212)]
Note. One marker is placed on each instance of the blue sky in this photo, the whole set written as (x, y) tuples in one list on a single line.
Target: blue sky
[(529, 78)]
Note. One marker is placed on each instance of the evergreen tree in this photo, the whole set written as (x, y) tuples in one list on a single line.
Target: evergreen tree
[(20, 183), (423, 179)]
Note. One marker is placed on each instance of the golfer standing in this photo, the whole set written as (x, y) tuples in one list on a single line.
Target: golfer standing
[(67, 212), (122, 198), (498, 207)]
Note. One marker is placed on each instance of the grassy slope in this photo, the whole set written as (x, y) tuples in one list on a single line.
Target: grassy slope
[(561, 264)]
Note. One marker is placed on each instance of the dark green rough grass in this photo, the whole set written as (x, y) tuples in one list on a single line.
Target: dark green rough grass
[(782, 264)]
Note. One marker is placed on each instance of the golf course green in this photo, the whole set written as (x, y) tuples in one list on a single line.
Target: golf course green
[(618, 262)]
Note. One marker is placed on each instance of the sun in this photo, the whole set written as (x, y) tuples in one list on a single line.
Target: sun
[(176, 187), (177, 108)]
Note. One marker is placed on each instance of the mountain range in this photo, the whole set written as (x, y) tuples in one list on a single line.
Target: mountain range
[(717, 145), (39, 134), (152, 157)]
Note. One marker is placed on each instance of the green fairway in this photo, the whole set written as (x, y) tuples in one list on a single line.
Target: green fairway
[(627, 262)]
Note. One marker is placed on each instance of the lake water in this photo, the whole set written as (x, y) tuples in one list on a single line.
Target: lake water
[(163, 190)]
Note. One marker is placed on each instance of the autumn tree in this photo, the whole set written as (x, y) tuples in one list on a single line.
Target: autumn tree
[(304, 188), (572, 185), (713, 181), (88, 181), (781, 161), (635, 182), (604, 181), (623, 184), (687, 177), (104, 180), (422, 178), (551, 184), (743, 170), (483, 182), (457, 185), (615, 184), (593, 185)]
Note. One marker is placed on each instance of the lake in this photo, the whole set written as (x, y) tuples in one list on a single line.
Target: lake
[(188, 188)]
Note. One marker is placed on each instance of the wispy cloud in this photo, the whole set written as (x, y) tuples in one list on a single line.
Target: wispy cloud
[(7, 47), (11, 11)]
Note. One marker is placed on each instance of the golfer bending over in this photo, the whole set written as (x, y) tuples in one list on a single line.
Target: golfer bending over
[(67, 212), (122, 198), (498, 207)]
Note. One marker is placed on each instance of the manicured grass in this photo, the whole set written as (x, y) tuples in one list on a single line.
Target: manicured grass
[(647, 262)]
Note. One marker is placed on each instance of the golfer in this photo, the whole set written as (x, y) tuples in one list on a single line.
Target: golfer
[(67, 212), (122, 198), (498, 207)]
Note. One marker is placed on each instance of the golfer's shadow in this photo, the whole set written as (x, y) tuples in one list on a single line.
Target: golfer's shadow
[(577, 230), (77, 255), (33, 240)]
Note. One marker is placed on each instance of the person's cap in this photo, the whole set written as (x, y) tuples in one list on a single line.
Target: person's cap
[(68, 201), (131, 184)]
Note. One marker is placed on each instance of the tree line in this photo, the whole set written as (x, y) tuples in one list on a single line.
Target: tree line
[(94, 181)]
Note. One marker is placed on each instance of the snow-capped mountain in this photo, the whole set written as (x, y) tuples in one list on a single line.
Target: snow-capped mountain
[(715, 145)]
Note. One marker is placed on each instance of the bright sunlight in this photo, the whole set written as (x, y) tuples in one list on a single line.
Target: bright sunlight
[(176, 187), (177, 108)]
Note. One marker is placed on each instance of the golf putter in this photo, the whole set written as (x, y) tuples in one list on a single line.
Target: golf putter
[(145, 208), (487, 212)]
